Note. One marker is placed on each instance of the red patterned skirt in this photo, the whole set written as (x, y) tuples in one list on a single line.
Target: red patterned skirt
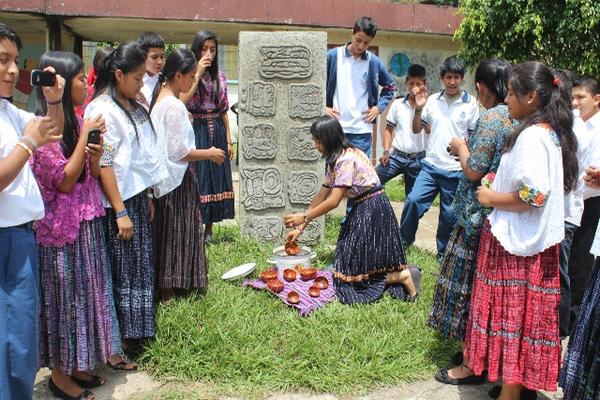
[(512, 330)]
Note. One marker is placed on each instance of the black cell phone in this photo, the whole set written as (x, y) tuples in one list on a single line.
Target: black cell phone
[(42, 78), (94, 136)]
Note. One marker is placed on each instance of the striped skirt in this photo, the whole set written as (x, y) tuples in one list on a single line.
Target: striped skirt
[(452, 297), (179, 238), (580, 377), (215, 184), (368, 247), (133, 271), (78, 323), (512, 330)]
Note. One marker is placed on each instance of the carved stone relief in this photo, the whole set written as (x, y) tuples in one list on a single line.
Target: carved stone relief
[(260, 142), (302, 187), (268, 229), (285, 62), (300, 145), (312, 232), (258, 99), (306, 101), (262, 188)]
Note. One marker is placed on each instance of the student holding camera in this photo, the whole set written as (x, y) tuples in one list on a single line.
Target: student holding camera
[(21, 134), (78, 321)]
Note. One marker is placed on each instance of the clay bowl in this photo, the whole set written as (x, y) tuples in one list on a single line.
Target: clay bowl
[(308, 273), (275, 285), (292, 248), (293, 297), (268, 274), (321, 282), (289, 275), (314, 291), (299, 267)]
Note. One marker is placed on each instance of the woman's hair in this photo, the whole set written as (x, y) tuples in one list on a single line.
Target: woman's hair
[(493, 74), (127, 57), (554, 108), (179, 60), (101, 53), (213, 70), (67, 65), (328, 131)]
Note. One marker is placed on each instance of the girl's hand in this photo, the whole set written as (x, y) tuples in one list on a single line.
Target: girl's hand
[(455, 145), (216, 155), (42, 131), (92, 123), (230, 150), (485, 196), (293, 235), (293, 220), (54, 93), (125, 228), (151, 209), (94, 151), (592, 177)]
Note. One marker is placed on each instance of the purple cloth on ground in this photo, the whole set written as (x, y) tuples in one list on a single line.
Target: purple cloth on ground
[(307, 304)]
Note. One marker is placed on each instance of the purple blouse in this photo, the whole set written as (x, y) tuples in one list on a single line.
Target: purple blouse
[(352, 170), (64, 211), (205, 103)]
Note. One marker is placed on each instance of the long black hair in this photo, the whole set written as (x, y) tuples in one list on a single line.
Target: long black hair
[(554, 109), (67, 65), (179, 60), (328, 131), (127, 57), (213, 70), (493, 74)]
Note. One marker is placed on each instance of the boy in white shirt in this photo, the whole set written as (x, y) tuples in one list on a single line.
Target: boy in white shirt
[(154, 47), (21, 133), (402, 148), (451, 113)]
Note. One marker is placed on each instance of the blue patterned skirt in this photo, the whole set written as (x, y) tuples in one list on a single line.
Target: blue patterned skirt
[(368, 247), (133, 270), (78, 323)]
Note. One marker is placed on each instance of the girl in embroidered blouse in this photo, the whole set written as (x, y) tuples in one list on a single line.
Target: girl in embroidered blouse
[(512, 329), (178, 233), (133, 161), (369, 257), (207, 102), (75, 275)]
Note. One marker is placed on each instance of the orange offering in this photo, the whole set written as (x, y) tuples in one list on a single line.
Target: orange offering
[(308, 273), (321, 282), (268, 274), (289, 275), (292, 248), (298, 267), (293, 297), (314, 291), (275, 285)]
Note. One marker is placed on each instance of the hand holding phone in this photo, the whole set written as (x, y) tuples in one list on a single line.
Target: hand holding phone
[(94, 136), (42, 78)]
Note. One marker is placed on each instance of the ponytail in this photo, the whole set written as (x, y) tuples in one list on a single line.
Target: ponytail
[(179, 60)]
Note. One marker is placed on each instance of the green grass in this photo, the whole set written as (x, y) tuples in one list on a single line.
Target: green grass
[(395, 191), (245, 342)]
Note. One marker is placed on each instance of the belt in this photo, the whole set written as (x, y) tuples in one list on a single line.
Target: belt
[(206, 115), (377, 190), (27, 226), (409, 156)]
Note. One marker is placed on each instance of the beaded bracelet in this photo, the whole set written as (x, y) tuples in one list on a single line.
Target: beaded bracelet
[(54, 103), (121, 214), (32, 142), (24, 147)]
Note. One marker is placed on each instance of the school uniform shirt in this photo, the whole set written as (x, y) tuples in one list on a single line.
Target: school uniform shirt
[(592, 153), (447, 122), (595, 249), (400, 117), (574, 199), (20, 201), (175, 131), (137, 159), (150, 83), (533, 167)]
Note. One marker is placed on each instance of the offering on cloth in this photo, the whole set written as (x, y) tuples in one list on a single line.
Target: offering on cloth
[(293, 297), (321, 282), (268, 274), (314, 291), (275, 285), (308, 273), (292, 248), (289, 275), (298, 267)]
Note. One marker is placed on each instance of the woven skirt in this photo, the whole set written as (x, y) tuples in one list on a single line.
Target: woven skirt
[(368, 247), (179, 238), (512, 330), (452, 297), (580, 377), (132, 265), (78, 322), (215, 184)]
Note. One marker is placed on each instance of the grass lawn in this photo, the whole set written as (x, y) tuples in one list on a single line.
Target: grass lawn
[(245, 342), (395, 191)]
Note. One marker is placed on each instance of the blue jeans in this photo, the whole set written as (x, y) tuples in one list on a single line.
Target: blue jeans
[(19, 298), (400, 165), (564, 307), (430, 181), (362, 141)]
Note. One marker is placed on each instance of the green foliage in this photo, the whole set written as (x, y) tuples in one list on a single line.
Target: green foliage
[(560, 33)]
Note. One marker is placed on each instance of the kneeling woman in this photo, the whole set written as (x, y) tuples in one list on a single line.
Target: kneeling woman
[(369, 257)]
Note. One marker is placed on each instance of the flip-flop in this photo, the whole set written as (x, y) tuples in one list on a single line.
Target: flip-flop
[(122, 366), (89, 383), (415, 274)]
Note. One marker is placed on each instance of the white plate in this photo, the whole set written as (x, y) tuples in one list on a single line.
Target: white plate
[(239, 271)]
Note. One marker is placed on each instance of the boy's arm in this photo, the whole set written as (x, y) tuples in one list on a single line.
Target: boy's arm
[(388, 87)]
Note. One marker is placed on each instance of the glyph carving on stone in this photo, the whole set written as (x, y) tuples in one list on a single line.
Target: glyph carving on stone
[(300, 145), (285, 62), (312, 232), (262, 188), (260, 142), (268, 229), (302, 187), (306, 101), (258, 99)]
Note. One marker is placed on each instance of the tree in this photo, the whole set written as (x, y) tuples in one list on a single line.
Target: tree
[(559, 33)]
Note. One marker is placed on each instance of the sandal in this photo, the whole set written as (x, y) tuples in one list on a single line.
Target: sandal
[(443, 377), (89, 383), (123, 365), (57, 392)]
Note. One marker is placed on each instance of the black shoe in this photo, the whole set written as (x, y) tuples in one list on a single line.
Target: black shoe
[(442, 376), (57, 392), (526, 394), (88, 384), (457, 358)]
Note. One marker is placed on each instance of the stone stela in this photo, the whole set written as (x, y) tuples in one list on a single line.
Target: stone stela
[(282, 91)]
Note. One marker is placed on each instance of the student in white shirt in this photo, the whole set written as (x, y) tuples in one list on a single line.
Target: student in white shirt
[(153, 46), (20, 204), (451, 113), (402, 148)]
